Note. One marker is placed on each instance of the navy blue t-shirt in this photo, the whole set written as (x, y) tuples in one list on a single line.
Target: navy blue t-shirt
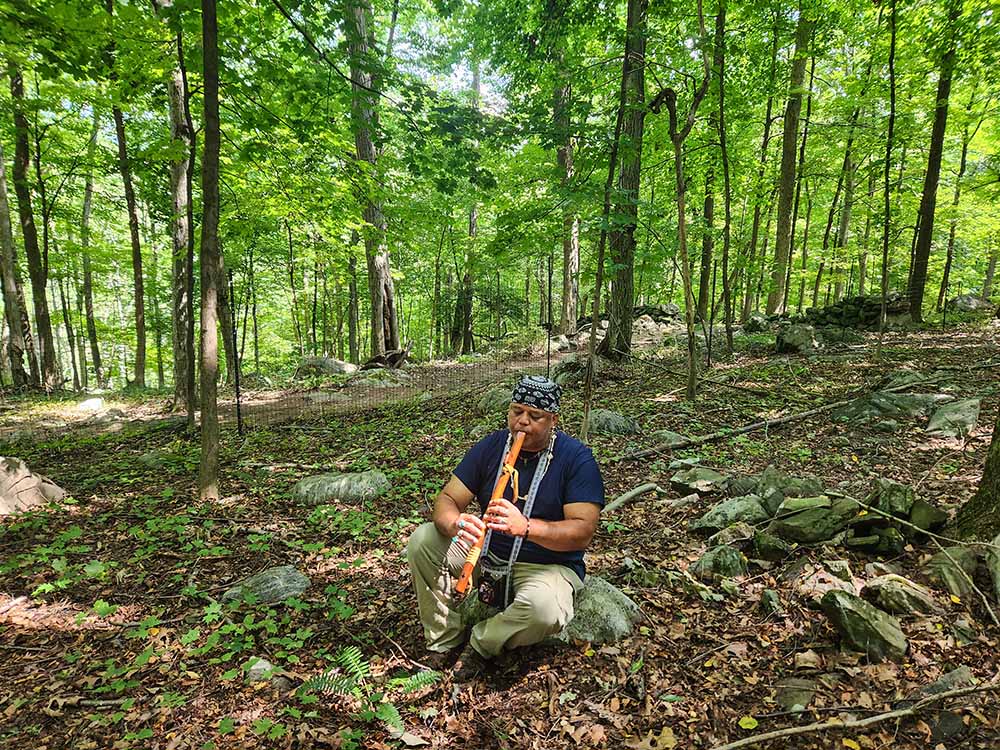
[(572, 477)]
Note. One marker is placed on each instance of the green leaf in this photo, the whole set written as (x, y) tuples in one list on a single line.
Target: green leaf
[(748, 722), (227, 725)]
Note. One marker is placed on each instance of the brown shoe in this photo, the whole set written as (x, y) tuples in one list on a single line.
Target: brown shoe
[(470, 665), (437, 660)]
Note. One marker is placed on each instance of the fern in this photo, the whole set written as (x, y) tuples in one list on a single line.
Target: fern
[(331, 683), (415, 682), (354, 663), (388, 713)]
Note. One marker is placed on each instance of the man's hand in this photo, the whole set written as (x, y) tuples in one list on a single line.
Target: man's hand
[(468, 529), (503, 516)]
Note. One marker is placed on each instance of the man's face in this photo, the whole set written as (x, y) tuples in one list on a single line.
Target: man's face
[(534, 423)]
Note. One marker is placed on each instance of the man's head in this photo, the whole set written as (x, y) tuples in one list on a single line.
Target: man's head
[(534, 410)]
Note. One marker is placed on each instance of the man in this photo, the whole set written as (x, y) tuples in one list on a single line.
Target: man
[(546, 529)]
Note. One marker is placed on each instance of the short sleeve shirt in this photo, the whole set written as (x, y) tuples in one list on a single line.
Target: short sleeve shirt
[(572, 477)]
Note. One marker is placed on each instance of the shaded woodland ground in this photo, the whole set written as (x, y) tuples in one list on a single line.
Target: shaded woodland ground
[(113, 635)]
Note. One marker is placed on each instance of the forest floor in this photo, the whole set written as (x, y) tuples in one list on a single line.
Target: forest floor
[(112, 633)]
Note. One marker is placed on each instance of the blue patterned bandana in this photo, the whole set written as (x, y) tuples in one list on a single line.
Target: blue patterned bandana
[(539, 392)]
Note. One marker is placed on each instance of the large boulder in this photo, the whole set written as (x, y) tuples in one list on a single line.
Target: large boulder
[(797, 338), (21, 490), (814, 581), (927, 517), (881, 405), (602, 614), (645, 330), (669, 438), (320, 367), (756, 323), (773, 486), (270, 586), (971, 303), (607, 422), (956, 419), (900, 595), (739, 535), (357, 487), (952, 568), (892, 497), (728, 512), (573, 368), (769, 547), (863, 627), (698, 479)]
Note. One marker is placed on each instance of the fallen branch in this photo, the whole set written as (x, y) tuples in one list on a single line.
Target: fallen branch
[(642, 489), (824, 726), (764, 423)]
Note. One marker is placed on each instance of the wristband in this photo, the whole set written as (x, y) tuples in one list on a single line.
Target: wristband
[(527, 528)]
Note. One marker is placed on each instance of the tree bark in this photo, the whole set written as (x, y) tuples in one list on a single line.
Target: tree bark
[(708, 237), (786, 183), (928, 200), (845, 223), (991, 268), (359, 31), (208, 478), (953, 224), (70, 340), (225, 311), (88, 276), (618, 342), (133, 226), (799, 179), (13, 313), (37, 268), (571, 222), (979, 518), (81, 343), (727, 297), (887, 167), (352, 306)]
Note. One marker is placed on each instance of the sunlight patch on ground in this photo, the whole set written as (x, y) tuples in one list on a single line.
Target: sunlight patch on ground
[(23, 612)]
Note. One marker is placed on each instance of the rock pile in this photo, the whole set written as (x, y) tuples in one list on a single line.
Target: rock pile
[(859, 312)]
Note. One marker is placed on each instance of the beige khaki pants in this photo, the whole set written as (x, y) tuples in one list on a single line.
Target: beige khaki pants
[(542, 606)]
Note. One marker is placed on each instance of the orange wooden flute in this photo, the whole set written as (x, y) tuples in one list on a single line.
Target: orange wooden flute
[(477, 548)]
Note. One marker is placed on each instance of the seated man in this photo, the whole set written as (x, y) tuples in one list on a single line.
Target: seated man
[(546, 528)]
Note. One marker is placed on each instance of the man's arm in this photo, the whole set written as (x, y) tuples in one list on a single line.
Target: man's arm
[(571, 534), (449, 508)]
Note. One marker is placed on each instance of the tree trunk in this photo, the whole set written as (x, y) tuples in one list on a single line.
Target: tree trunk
[(80, 323), (799, 179), (979, 518), (618, 342), (786, 183), (805, 246), (727, 297), (863, 250), (364, 114), (991, 268), (845, 224), (571, 222), (759, 191), (180, 230), (887, 166), (71, 342), (943, 293), (208, 478), (291, 284), (708, 238), (224, 307), (88, 276), (928, 200), (435, 327), (13, 313), (352, 306), (37, 267)]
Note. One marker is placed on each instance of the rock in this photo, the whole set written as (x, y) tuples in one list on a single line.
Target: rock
[(944, 723), (720, 562), (925, 516), (756, 323), (261, 669), (892, 497), (562, 344), (902, 377), (965, 632), (747, 509), (993, 564), (738, 535), (270, 586), (494, 401), (798, 338), (882, 540), (742, 486), (22, 490), (942, 570), (770, 602), (815, 520), (668, 438), (773, 486), (971, 303), (687, 501), (573, 369), (900, 595), (106, 417), (320, 367), (154, 459), (607, 422), (795, 694), (700, 480), (881, 405), (955, 420), (887, 425), (645, 330), (349, 488), (91, 404), (602, 614), (813, 583), (769, 547), (254, 381), (839, 568), (864, 628)]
